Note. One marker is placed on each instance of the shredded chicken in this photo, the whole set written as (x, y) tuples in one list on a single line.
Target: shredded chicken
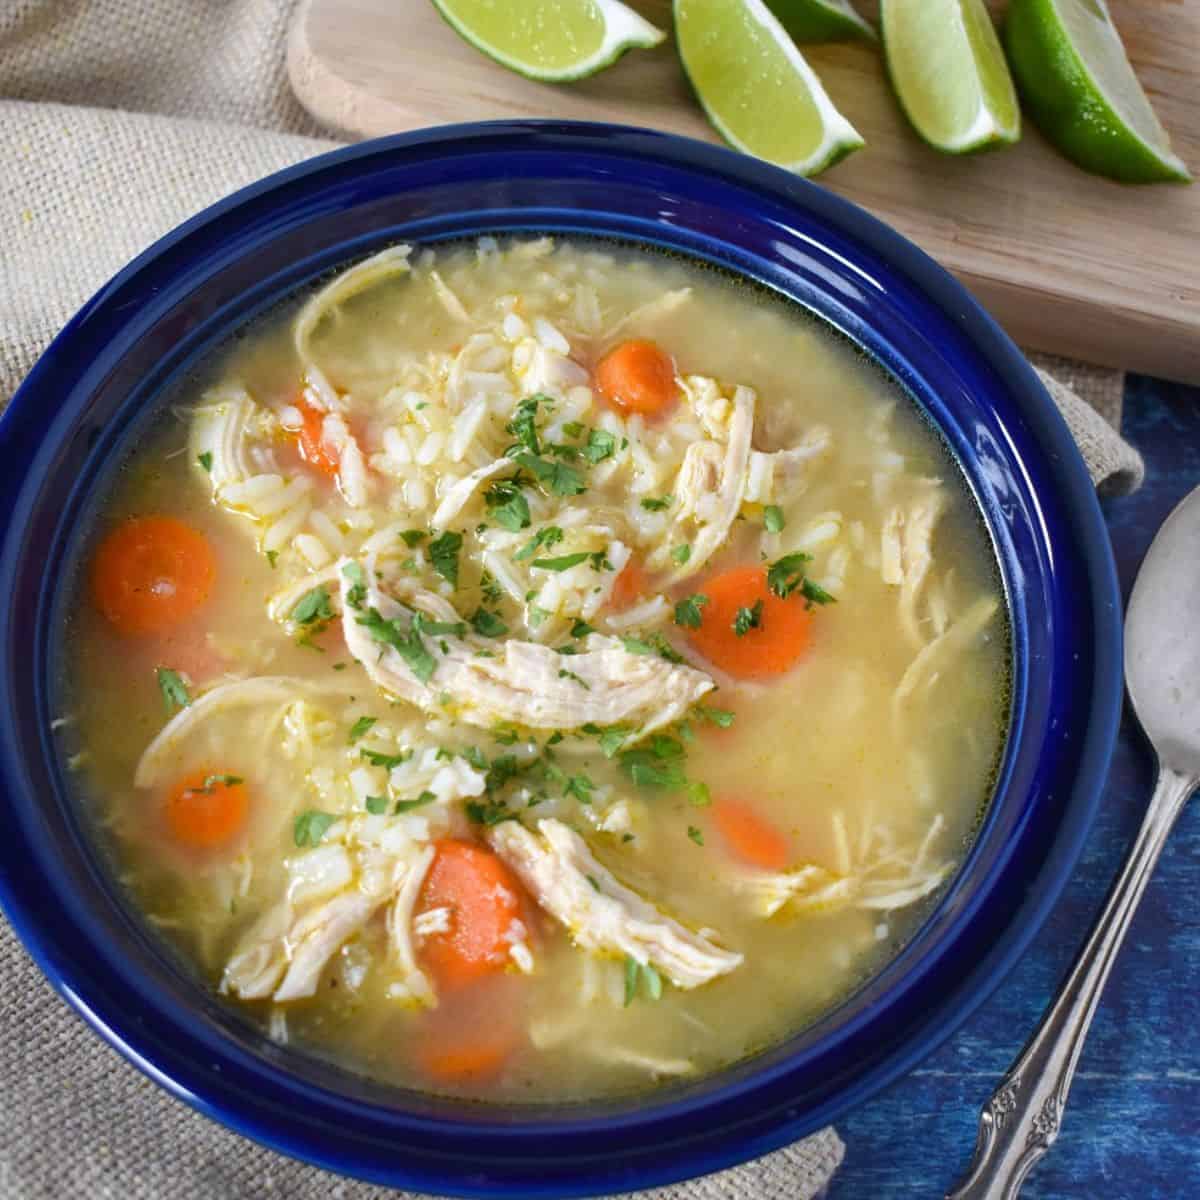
[(906, 555), (415, 983), (924, 668), (526, 684), (318, 935), (601, 913), (453, 502)]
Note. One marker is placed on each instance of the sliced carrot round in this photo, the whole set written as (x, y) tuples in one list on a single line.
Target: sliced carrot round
[(152, 573), (483, 900), (311, 439), (471, 1036), (629, 586), (207, 809), (638, 376), (751, 837), (772, 645)]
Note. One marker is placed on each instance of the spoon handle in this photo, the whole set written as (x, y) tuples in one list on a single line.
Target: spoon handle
[(1020, 1121)]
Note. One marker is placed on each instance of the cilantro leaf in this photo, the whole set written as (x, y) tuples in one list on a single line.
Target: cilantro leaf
[(357, 592), (687, 611), (377, 805), (488, 624), (403, 806), (550, 536), (773, 520), (422, 624), (696, 835), (409, 645), (310, 827), (660, 504), (312, 607), (507, 505), (814, 593), (580, 786), (174, 691), (786, 575), (746, 619), (563, 563), (205, 460), (632, 970), (581, 629), (558, 478), (681, 554), (523, 426), (490, 813), (583, 683), (361, 726), (413, 537), (600, 445), (443, 553), (721, 717), (573, 428), (377, 759)]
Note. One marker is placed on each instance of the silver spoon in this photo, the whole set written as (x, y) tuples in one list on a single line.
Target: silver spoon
[(1020, 1121)]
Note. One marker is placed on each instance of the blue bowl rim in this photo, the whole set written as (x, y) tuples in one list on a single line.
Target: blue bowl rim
[(1018, 379)]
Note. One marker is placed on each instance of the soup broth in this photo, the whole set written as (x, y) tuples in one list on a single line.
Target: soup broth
[(537, 670)]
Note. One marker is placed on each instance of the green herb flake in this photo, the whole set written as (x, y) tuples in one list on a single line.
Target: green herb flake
[(581, 629), (523, 426), (581, 787), (409, 645), (600, 561), (696, 835), (573, 429), (212, 781), (773, 519), (506, 735), (491, 813), (632, 970), (721, 717), (658, 504), (814, 593), (488, 624), (310, 827), (174, 690), (312, 607), (272, 558), (356, 594), (377, 759), (563, 563), (550, 536), (681, 554), (361, 726), (654, 983), (403, 806), (746, 619), (507, 506), (443, 553), (600, 445), (698, 794), (422, 624), (637, 646), (377, 805), (687, 610), (490, 588), (205, 460), (592, 880), (413, 537), (476, 758), (612, 739), (557, 478), (787, 575)]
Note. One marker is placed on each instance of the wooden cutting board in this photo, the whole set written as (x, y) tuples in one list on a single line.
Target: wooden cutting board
[(1068, 262)]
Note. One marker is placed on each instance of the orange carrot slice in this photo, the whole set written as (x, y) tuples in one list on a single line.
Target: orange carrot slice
[(152, 573), (310, 437), (750, 836), (471, 1036), (638, 377), (207, 809), (484, 900), (629, 586), (773, 644)]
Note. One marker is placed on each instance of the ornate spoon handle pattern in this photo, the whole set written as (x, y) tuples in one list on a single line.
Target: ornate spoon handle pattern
[(1020, 1121)]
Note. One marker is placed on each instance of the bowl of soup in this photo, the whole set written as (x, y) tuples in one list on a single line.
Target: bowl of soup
[(540, 658)]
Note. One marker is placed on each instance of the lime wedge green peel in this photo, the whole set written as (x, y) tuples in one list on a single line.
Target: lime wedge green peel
[(758, 91), (949, 73), (554, 41), (1081, 92), (821, 20)]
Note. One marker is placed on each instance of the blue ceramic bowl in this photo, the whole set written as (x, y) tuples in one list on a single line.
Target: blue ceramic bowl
[(93, 392)]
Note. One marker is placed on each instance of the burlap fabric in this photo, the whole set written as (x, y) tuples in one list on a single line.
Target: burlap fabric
[(119, 119)]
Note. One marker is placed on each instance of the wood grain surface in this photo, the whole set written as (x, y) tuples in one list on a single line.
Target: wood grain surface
[(1068, 262)]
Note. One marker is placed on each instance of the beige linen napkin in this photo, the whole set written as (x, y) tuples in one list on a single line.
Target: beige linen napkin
[(119, 119)]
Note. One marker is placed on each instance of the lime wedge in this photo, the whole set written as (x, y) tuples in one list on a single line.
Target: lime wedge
[(554, 41), (1081, 92), (755, 86), (949, 73), (821, 20)]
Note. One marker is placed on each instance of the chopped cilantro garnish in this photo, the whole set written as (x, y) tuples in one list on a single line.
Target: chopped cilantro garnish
[(550, 536), (272, 558), (409, 645), (581, 787), (593, 881), (310, 827), (361, 726), (205, 460), (507, 505), (581, 629), (523, 426), (443, 553), (696, 835), (698, 793), (637, 645), (632, 969), (583, 683), (174, 690), (557, 478), (488, 624), (787, 575), (503, 768), (476, 758), (490, 588), (403, 806), (212, 781), (563, 563), (377, 805), (647, 769), (658, 504), (313, 607), (612, 739), (746, 619), (600, 445), (413, 537), (681, 554), (573, 428), (687, 610), (773, 520), (635, 971), (422, 624), (814, 593), (357, 577), (600, 561), (490, 813), (506, 735), (377, 759), (721, 717)]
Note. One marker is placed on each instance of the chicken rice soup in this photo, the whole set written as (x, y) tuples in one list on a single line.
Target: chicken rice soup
[(536, 670)]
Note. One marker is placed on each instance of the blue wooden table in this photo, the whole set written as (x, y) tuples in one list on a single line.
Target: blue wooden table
[(1132, 1127)]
